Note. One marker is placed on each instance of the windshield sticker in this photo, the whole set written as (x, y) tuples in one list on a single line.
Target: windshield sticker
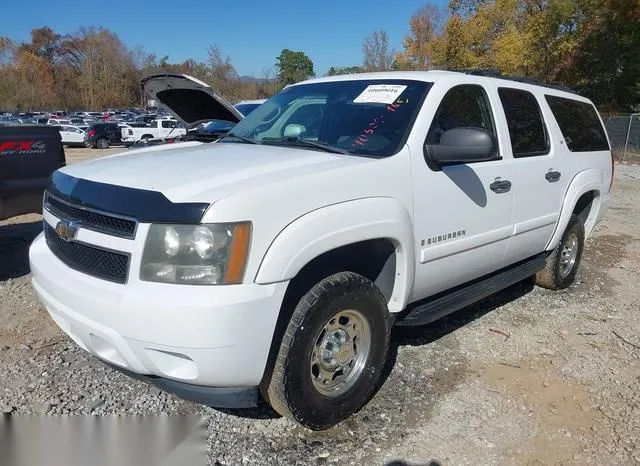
[(380, 94)]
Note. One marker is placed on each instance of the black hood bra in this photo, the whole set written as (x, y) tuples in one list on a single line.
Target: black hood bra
[(143, 205)]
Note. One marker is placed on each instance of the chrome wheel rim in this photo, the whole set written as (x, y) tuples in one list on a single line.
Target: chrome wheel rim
[(340, 353), (569, 255)]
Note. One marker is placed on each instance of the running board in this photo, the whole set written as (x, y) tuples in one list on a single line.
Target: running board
[(433, 308)]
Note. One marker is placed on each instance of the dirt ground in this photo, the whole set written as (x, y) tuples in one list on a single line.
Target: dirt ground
[(526, 377)]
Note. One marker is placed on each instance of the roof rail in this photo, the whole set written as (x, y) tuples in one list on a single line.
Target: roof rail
[(522, 79)]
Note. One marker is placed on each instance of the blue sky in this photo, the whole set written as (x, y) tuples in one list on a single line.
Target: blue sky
[(251, 32)]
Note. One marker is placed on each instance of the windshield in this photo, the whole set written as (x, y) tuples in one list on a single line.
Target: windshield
[(366, 117)]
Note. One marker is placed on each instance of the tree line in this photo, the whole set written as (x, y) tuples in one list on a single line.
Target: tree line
[(93, 69), (592, 46)]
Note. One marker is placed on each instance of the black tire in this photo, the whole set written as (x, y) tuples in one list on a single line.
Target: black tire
[(102, 143), (293, 386), (563, 263)]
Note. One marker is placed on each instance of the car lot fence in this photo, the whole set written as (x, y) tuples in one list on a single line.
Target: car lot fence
[(624, 134)]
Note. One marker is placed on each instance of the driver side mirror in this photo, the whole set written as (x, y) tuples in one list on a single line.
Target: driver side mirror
[(463, 145)]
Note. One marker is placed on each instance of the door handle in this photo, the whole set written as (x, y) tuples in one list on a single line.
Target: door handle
[(552, 176), (501, 186)]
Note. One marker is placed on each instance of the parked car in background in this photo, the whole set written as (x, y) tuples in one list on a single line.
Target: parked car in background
[(102, 135), (137, 124), (58, 121), (247, 106), (28, 156), (164, 128), (223, 126), (71, 135)]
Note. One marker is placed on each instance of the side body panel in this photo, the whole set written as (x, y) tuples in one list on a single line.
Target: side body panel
[(591, 171), (540, 181), (325, 229), (462, 227)]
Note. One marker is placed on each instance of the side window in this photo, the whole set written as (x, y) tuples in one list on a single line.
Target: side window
[(168, 124), (527, 131), (579, 123), (464, 105)]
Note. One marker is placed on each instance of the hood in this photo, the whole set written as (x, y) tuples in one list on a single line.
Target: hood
[(188, 99), (201, 172)]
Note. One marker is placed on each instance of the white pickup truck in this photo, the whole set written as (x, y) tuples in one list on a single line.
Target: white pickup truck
[(275, 261), (162, 128)]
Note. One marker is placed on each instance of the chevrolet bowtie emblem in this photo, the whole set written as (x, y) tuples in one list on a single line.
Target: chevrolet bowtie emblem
[(67, 230)]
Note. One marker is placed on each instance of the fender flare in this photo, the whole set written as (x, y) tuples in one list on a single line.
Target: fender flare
[(583, 182), (337, 225)]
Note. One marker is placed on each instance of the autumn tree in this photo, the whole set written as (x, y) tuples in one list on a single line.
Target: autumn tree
[(223, 76), (33, 84), (107, 77), (606, 62), (377, 56), (425, 26), (268, 84), (7, 74)]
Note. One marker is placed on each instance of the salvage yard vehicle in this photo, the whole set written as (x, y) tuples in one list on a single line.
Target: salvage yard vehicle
[(102, 135), (29, 154), (162, 128), (274, 262), (71, 135)]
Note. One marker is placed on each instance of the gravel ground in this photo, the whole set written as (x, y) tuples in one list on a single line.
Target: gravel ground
[(562, 388)]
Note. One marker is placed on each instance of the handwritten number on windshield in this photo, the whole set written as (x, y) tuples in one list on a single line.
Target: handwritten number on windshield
[(371, 128)]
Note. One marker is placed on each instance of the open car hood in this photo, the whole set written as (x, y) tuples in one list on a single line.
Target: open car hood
[(188, 99)]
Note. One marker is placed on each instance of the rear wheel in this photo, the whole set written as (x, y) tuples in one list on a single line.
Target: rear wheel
[(102, 143), (563, 263), (333, 352)]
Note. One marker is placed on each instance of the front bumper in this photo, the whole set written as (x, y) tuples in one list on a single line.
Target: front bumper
[(216, 397), (207, 336)]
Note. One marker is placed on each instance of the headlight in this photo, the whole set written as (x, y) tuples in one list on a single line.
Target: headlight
[(212, 254)]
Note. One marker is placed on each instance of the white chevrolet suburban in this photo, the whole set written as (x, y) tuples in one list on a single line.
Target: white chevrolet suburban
[(274, 261)]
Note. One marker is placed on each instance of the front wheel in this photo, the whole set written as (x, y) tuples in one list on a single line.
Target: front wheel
[(333, 352), (562, 264), (102, 143)]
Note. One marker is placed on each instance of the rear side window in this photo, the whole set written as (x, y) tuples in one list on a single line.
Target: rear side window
[(579, 124), (527, 131)]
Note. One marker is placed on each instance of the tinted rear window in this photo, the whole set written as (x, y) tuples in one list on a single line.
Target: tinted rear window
[(524, 119), (579, 124)]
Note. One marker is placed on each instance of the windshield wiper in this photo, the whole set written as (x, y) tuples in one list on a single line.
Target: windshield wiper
[(297, 141), (242, 138)]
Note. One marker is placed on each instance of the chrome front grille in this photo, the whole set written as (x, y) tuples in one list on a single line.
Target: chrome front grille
[(107, 223)]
